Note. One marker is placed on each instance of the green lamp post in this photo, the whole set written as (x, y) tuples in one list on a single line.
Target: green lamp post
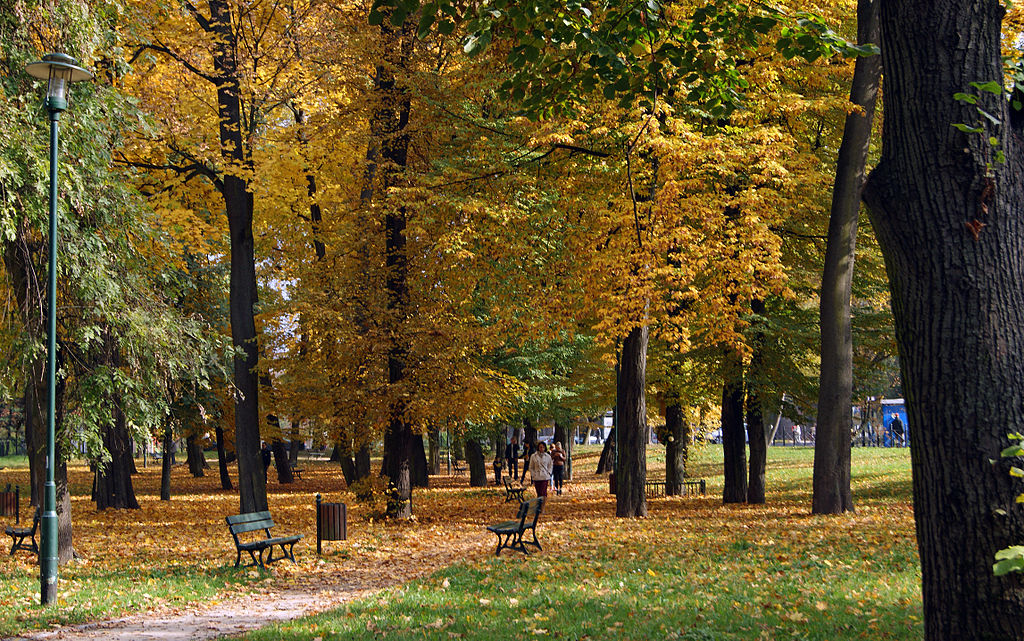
[(59, 71)]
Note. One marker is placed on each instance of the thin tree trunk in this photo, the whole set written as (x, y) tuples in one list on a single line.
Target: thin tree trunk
[(630, 497), (835, 391), (194, 456), (606, 462), (755, 414), (284, 468), (434, 460), (733, 434), (419, 463), (676, 449), (165, 462), (222, 459), (363, 462)]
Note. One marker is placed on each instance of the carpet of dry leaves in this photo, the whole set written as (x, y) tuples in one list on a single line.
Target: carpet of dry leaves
[(189, 531)]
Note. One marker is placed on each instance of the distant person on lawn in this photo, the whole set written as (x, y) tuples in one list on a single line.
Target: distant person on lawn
[(540, 469), (557, 466)]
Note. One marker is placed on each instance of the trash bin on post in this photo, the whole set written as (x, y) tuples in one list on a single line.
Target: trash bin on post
[(10, 503), (331, 522)]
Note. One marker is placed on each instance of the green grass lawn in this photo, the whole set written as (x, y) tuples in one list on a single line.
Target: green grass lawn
[(694, 569)]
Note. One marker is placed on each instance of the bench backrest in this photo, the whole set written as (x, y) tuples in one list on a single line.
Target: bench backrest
[(241, 523), (529, 512), (508, 483), (38, 514)]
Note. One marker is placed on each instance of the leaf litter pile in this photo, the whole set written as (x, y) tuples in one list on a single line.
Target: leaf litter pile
[(694, 569)]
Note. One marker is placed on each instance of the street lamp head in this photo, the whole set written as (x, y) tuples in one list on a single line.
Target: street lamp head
[(60, 70)]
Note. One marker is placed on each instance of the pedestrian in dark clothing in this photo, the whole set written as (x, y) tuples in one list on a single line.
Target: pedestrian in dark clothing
[(267, 455), (529, 447), (512, 456), (896, 426)]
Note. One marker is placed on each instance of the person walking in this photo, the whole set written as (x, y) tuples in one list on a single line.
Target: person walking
[(540, 469), (557, 466), (512, 456), (896, 428)]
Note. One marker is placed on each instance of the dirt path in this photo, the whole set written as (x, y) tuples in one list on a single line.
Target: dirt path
[(300, 598)]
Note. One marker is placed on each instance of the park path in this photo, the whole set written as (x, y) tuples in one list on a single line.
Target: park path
[(239, 614)]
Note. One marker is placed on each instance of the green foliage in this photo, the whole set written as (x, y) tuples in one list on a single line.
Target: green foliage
[(1011, 559), (122, 342), (563, 53)]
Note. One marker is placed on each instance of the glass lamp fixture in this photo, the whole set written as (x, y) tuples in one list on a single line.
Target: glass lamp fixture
[(60, 70)]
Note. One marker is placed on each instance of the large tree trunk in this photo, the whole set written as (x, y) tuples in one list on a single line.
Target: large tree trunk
[(631, 475), (755, 413), (477, 465), (733, 434), (676, 449), (948, 218), (238, 202), (835, 391)]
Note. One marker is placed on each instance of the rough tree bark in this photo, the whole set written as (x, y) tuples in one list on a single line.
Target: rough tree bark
[(835, 391), (631, 475), (733, 434), (948, 217)]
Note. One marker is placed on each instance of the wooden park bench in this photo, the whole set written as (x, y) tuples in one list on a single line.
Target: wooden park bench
[(252, 522), (659, 487), (513, 492), (19, 534), (510, 533), (458, 469), (297, 472)]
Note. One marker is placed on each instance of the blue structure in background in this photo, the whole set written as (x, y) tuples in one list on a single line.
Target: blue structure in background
[(895, 406)]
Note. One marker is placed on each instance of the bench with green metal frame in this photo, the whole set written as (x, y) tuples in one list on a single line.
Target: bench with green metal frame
[(510, 533), (513, 492), (253, 522), (19, 534)]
